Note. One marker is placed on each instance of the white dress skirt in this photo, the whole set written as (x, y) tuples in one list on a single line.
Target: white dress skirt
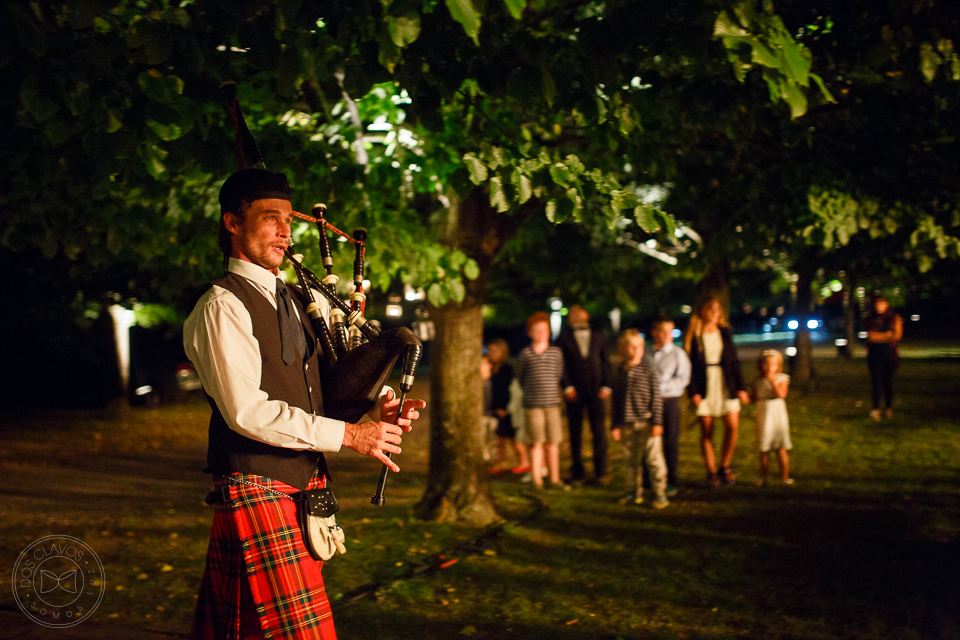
[(716, 402), (773, 423)]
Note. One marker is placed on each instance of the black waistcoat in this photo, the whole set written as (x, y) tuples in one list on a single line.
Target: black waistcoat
[(297, 384)]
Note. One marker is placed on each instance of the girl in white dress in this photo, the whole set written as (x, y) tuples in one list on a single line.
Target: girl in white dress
[(773, 424), (716, 385)]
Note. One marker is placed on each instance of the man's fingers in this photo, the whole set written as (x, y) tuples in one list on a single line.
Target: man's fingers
[(387, 461), (409, 417), (390, 439)]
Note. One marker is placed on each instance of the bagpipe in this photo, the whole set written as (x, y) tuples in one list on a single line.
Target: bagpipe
[(357, 356)]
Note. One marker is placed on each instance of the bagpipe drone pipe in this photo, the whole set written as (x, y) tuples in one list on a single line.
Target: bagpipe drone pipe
[(358, 358)]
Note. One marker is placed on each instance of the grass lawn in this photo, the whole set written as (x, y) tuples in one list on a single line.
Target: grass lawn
[(865, 545)]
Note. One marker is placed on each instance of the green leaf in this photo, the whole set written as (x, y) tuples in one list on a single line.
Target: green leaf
[(725, 26), (522, 184), (794, 97), (404, 29), (158, 87), (646, 218), (113, 122), (435, 295), (498, 198), (823, 88), (478, 171), (471, 269), (515, 7), (574, 163), (466, 14), (763, 55), (153, 160), (929, 61), (560, 174), (671, 226), (797, 64), (551, 210), (456, 289), (620, 200)]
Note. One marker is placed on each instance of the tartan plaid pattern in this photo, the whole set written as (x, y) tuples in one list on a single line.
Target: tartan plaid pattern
[(260, 581)]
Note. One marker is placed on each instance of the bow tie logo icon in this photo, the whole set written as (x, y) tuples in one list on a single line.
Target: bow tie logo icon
[(66, 581)]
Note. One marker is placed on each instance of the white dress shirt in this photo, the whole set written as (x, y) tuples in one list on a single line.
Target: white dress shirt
[(582, 336), (218, 338), (673, 365)]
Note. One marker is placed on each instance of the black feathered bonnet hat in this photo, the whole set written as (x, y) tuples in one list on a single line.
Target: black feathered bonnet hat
[(248, 185)]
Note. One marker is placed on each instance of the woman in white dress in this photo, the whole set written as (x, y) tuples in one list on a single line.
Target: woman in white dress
[(773, 424), (716, 385)]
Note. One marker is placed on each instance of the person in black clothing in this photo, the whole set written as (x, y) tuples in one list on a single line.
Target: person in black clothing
[(588, 369), (884, 330)]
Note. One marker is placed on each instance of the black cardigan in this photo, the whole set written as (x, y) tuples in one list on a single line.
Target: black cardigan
[(732, 374)]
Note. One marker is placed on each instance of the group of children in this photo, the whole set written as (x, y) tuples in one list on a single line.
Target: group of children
[(638, 409)]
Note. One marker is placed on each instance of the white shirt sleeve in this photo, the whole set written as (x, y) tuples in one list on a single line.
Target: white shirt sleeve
[(218, 339)]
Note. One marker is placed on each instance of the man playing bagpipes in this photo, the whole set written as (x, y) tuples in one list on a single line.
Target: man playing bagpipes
[(256, 353)]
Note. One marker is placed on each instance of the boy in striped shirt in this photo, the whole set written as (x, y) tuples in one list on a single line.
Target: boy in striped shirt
[(539, 368), (638, 419)]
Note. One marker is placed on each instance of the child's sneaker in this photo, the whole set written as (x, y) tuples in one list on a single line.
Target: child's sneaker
[(661, 502), (875, 415), (638, 499), (789, 482), (672, 491)]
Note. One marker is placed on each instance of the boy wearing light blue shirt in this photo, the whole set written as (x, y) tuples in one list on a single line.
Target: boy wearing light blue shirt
[(673, 366)]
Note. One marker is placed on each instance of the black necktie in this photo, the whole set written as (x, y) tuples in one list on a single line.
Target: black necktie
[(292, 342)]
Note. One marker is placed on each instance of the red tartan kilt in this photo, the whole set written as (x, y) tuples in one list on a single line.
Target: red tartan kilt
[(260, 581)]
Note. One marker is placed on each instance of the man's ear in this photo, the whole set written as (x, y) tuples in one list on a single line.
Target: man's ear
[(231, 222)]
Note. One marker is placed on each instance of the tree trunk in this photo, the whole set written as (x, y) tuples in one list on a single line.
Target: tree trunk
[(458, 485), (716, 284)]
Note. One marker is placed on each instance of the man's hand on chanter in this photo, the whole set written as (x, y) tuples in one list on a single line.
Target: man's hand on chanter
[(388, 410)]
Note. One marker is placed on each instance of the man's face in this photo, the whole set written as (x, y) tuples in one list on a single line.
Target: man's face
[(262, 234), (662, 334), (579, 318)]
